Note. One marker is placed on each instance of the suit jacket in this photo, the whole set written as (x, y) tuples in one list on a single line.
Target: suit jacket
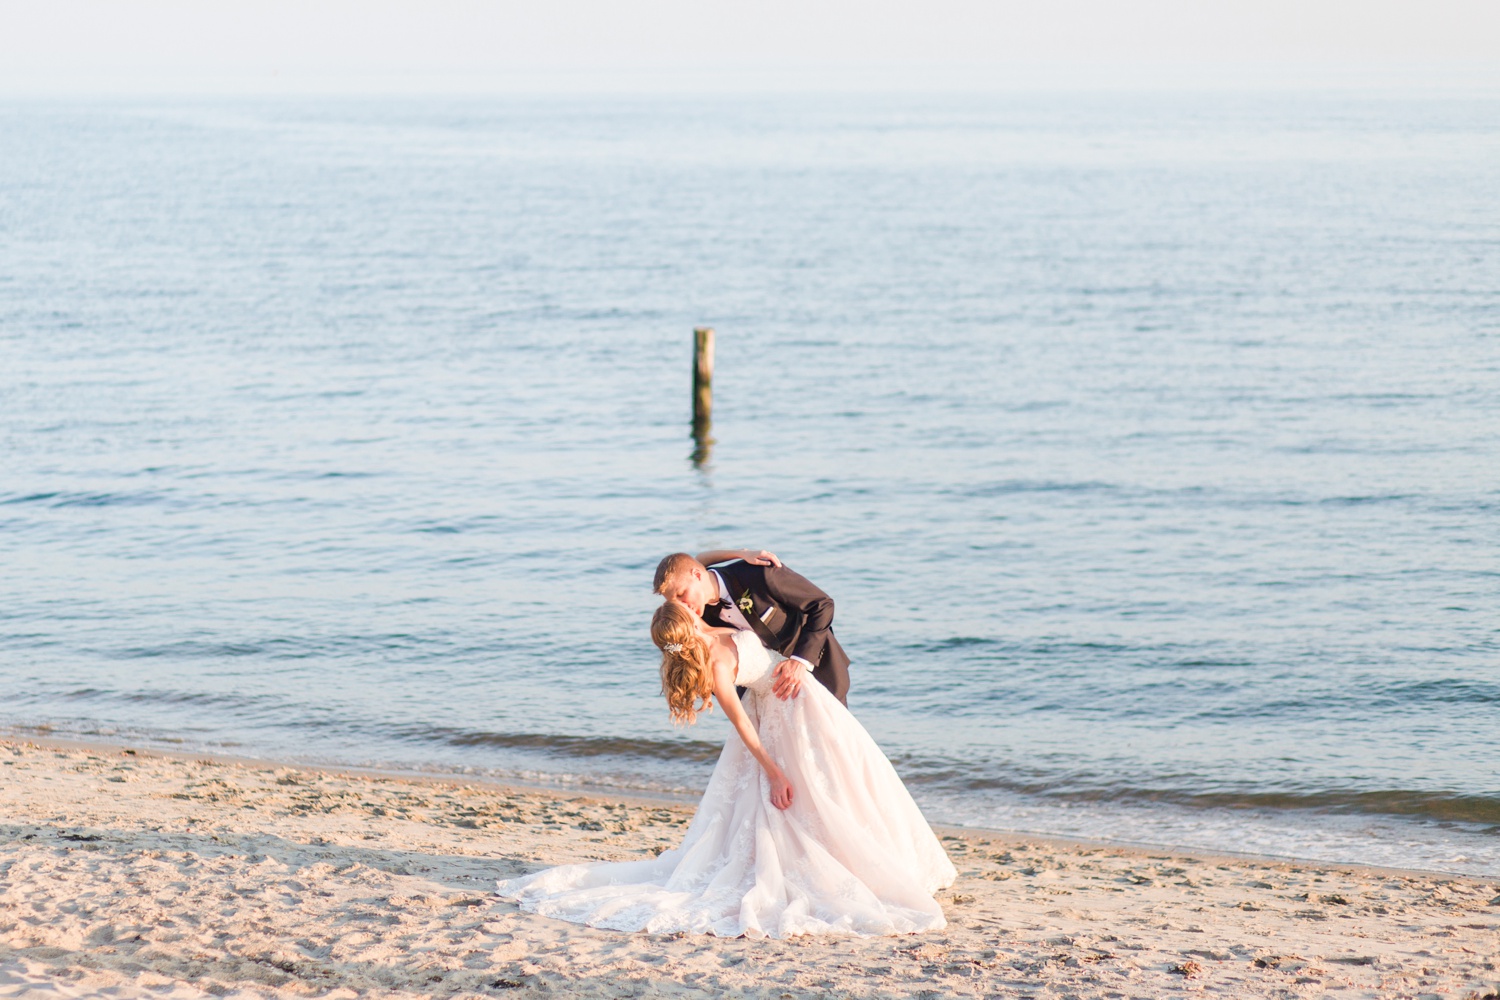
[(790, 615)]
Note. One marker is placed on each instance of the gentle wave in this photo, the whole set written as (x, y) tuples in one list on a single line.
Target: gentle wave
[(613, 760), (568, 753), (264, 709), (72, 499), (568, 747), (285, 648), (1437, 805)]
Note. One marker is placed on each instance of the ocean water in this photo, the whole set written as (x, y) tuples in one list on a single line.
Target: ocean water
[(1148, 443)]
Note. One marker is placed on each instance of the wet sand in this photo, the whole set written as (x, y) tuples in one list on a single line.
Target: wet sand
[(133, 874)]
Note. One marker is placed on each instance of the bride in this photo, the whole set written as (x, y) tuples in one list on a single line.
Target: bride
[(804, 827)]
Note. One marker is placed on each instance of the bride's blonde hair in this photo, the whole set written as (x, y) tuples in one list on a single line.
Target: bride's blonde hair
[(686, 675)]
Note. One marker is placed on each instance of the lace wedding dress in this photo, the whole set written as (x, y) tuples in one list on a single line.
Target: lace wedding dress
[(852, 855)]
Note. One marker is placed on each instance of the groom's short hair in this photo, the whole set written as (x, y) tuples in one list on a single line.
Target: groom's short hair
[(672, 565)]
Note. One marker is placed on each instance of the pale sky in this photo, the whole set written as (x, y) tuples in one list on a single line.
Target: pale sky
[(457, 45)]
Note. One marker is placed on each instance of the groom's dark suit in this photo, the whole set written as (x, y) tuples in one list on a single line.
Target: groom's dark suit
[(789, 614)]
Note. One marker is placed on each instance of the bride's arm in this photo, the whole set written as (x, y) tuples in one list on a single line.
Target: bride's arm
[(755, 557), (729, 701)]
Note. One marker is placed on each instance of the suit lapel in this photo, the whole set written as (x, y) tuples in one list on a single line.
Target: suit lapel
[(741, 586), (757, 626)]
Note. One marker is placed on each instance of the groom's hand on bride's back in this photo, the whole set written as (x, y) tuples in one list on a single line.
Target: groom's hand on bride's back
[(788, 681)]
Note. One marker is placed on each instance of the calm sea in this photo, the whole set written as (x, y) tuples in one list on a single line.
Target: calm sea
[(1149, 444)]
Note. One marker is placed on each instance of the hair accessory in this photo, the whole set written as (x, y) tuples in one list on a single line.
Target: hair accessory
[(672, 647)]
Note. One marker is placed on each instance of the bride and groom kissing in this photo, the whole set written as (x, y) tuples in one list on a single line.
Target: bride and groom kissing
[(804, 827)]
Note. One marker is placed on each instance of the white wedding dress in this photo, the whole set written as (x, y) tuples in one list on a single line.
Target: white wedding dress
[(852, 855)]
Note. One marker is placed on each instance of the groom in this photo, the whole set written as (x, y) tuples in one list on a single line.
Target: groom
[(749, 589)]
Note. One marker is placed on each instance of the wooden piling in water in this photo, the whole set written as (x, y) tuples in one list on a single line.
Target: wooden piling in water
[(703, 386)]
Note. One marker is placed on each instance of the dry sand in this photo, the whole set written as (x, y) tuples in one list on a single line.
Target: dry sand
[(130, 874)]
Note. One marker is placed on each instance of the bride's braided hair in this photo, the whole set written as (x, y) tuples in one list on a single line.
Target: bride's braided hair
[(686, 676)]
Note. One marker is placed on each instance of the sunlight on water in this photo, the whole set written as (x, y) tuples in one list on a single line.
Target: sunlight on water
[(1146, 443)]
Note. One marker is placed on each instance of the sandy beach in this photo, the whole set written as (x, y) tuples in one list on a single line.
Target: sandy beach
[(127, 873)]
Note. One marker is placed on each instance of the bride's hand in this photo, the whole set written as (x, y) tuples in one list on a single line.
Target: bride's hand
[(781, 791), (759, 557)]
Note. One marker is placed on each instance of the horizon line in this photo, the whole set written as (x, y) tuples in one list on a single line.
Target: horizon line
[(772, 80)]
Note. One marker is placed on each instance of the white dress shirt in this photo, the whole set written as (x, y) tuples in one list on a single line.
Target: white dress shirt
[(733, 616)]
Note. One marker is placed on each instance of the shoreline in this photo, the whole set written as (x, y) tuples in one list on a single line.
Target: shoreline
[(136, 874), (609, 794)]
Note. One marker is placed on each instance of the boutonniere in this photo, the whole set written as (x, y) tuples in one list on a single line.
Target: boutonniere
[(746, 605)]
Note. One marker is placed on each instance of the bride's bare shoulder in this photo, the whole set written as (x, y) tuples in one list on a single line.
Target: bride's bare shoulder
[(723, 654)]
